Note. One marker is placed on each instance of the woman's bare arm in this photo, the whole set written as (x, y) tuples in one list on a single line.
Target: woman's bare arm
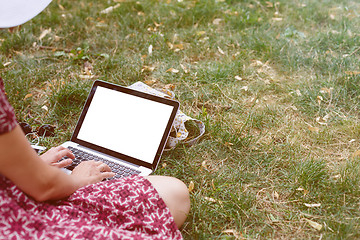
[(20, 163)]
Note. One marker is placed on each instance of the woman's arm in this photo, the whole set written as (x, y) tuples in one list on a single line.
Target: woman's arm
[(20, 163)]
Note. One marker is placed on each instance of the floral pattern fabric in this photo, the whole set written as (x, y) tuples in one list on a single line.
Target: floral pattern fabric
[(126, 208), (7, 116)]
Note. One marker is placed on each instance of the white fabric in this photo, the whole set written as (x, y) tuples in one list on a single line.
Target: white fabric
[(17, 12)]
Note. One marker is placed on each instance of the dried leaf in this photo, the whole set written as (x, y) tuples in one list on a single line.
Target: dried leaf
[(321, 121), (352, 72), (150, 49), (170, 45), (110, 9), (315, 225), (203, 165), (276, 19), (28, 95), (311, 205), (150, 82), (82, 76), (245, 88), (45, 108), (319, 99), (212, 184), (236, 234), (313, 129), (298, 92), (185, 69), (326, 90), (6, 64), (147, 69), (179, 46), (44, 33), (173, 70), (276, 195), (191, 186), (217, 21), (356, 153), (210, 199), (221, 51), (170, 87), (269, 4), (238, 78)]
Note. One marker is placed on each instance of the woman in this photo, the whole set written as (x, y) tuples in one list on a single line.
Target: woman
[(40, 201)]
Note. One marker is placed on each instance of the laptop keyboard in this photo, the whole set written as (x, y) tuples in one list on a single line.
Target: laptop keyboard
[(119, 170)]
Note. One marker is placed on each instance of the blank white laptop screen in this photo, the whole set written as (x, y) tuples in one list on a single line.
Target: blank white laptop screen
[(125, 123)]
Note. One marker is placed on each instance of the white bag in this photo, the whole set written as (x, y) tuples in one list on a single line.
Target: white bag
[(181, 133)]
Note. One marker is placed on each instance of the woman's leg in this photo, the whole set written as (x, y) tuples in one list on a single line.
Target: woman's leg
[(175, 195)]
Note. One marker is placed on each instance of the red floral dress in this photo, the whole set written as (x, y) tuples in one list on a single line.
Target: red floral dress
[(127, 208)]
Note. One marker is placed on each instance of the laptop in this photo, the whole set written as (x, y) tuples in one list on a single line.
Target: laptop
[(125, 128)]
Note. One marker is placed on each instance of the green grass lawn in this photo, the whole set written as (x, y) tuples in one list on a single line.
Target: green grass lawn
[(277, 84)]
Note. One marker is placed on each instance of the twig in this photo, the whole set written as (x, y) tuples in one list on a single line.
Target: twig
[(55, 49)]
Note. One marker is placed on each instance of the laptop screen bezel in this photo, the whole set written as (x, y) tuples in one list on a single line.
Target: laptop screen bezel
[(99, 83)]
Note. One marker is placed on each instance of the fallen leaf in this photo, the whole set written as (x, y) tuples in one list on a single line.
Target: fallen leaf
[(45, 108), (276, 195), (185, 69), (6, 64), (326, 90), (321, 121), (313, 129), (245, 88), (319, 99), (150, 82), (61, 7), (191, 186), (236, 234), (276, 19), (147, 69), (173, 70), (178, 46), (256, 63), (238, 78), (311, 205), (221, 51), (44, 33), (298, 92), (217, 21), (110, 9), (212, 184), (203, 165), (315, 225), (82, 76), (269, 4), (356, 153), (170, 87), (28, 95), (150, 49)]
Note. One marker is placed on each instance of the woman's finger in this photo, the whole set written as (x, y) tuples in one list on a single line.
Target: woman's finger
[(107, 175), (63, 163), (104, 168), (65, 152)]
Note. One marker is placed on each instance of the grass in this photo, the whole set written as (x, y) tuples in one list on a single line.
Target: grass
[(276, 84)]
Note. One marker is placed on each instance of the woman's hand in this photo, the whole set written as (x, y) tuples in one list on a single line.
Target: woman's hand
[(55, 154), (89, 172)]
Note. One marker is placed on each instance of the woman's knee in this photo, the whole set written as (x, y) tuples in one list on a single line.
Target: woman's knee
[(175, 195)]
